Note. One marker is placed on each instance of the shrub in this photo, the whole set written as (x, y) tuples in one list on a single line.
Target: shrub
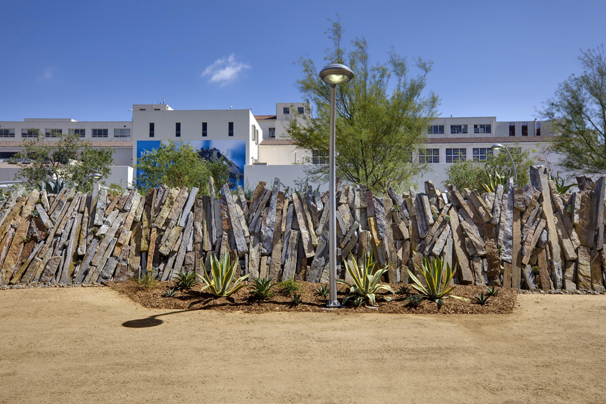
[(367, 281), (261, 288), (289, 287), (185, 280), (147, 280), (223, 272)]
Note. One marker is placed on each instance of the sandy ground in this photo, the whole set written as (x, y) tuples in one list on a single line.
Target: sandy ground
[(72, 346)]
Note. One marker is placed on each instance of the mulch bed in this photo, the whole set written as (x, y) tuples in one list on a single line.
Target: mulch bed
[(241, 301)]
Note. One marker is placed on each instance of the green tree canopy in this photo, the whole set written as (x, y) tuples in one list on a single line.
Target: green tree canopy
[(69, 158), (382, 116), (578, 115), (179, 165)]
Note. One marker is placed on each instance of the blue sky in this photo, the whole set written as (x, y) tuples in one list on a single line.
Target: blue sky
[(93, 60)]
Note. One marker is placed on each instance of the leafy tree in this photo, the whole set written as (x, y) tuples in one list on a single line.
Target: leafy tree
[(578, 114), (70, 159), (179, 165), (466, 174), (381, 116)]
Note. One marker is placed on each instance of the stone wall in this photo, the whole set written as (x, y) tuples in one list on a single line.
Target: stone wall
[(523, 238)]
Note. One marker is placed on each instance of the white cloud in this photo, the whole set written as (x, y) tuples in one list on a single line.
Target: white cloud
[(49, 73), (224, 70)]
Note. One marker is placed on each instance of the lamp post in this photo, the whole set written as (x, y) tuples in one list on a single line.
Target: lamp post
[(500, 146), (333, 74), (94, 175)]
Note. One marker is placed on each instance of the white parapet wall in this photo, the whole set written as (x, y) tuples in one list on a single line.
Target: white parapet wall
[(288, 174), (122, 175)]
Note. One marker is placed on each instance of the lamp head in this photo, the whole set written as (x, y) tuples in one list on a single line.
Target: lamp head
[(497, 146), (336, 73)]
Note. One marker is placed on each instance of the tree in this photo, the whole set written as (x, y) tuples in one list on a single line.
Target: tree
[(379, 124), (179, 165), (578, 115), (70, 159)]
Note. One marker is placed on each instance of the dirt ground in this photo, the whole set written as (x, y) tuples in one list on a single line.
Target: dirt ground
[(78, 345)]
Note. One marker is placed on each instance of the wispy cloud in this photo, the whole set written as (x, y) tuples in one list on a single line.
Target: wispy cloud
[(224, 70), (49, 73)]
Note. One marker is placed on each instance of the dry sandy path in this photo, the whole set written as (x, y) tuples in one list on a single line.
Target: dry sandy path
[(70, 346)]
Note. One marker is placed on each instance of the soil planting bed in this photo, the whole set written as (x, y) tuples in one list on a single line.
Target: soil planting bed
[(311, 302)]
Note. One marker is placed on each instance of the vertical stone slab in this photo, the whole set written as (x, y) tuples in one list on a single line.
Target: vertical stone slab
[(598, 211), (583, 269), (100, 208), (235, 222), (543, 265), (516, 256), (597, 257), (291, 256), (305, 237), (458, 241), (268, 229)]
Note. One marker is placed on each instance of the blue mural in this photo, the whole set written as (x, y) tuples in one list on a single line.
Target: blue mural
[(234, 151)]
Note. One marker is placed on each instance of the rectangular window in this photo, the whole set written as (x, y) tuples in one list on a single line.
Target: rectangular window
[(141, 109), (431, 156), (538, 129), (512, 128), (301, 110), (204, 129), (453, 155), (177, 129), (435, 130), (29, 133), (53, 132), (272, 132), (121, 132), (286, 110), (524, 128), (100, 132), (253, 133), (458, 128), (481, 153), (152, 129), (482, 128), (317, 158), (79, 132), (230, 129), (7, 133)]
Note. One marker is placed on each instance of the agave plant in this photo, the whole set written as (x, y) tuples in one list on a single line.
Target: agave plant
[(414, 300), (437, 278), (322, 291), (492, 291), (296, 300), (560, 186), (367, 280), (223, 272), (261, 288), (185, 280), (169, 293), (481, 299), (52, 187), (494, 180)]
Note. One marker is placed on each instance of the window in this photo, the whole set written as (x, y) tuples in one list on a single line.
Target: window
[(458, 128), (431, 156), (524, 128), (53, 132), (177, 129), (317, 158), (152, 128), (29, 133), (481, 153), (301, 110), (204, 129), (482, 128), (121, 132), (230, 129), (7, 133), (512, 128), (156, 109), (79, 132), (538, 129), (253, 132), (435, 130), (272, 132), (141, 109), (286, 110), (100, 132), (453, 155)]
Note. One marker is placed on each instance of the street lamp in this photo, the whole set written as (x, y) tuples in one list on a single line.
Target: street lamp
[(499, 146), (333, 74), (95, 176)]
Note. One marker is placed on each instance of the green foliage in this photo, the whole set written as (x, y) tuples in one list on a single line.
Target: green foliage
[(179, 165), (223, 272), (296, 300), (356, 301), (560, 186), (414, 300), (26, 239), (382, 116), (481, 299), (261, 288), (35, 213), (53, 187), (403, 290), (578, 115), (69, 159), (367, 280), (148, 280), (492, 291), (465, 174), (535, 270), (185, 280), (115, 189), (169, 293), (438, 280), (289, 287), (100, 236), (494, 180), (323, 291)]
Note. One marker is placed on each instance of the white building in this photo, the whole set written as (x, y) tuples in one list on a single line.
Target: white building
[(258, 146)]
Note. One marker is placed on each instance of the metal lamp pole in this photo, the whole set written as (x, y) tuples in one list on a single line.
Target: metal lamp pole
[(499, 146), (333, 74)]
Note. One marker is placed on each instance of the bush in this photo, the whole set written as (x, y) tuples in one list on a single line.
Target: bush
[(289, 287)]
